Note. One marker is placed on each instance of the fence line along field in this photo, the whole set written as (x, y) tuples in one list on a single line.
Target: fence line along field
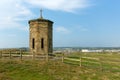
[(13, 53), (73, 66), (102, 60)]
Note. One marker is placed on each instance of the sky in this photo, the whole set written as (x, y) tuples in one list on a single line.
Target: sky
[(77, 23)]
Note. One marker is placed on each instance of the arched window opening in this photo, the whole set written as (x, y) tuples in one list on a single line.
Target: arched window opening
[(42, 43), (33, 43)]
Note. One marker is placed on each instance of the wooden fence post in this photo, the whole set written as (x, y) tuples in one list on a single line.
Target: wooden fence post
[(62, 57), (101, 68), (10, 55), (47, 57), (33, 55), (80, 61), (0, 54), (20, 54)]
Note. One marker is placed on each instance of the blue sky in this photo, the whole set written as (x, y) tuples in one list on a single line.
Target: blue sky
[(77, 23)]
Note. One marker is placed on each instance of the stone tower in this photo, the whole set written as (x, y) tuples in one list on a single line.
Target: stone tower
[(40, 40)]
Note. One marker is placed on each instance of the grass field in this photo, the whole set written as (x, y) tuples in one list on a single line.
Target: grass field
[(69, 70)]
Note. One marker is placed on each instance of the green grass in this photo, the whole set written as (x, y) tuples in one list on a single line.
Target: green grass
[(56, 70)]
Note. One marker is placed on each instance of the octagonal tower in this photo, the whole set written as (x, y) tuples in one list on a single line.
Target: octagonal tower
[(40, 40)]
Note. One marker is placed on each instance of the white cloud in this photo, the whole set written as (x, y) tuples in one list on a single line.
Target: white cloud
[(62, 30), (13, 11), (62, 5), (7, 22), (81, 28)]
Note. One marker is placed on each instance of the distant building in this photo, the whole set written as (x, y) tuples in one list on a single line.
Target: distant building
[(113, 50), (87, 50), (84, 50), (40, 41)]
